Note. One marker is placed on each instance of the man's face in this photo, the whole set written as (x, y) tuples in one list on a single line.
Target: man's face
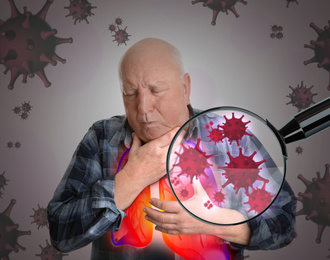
[(155, 94)]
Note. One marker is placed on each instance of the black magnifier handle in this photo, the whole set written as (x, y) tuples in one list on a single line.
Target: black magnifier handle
[(307, 123)]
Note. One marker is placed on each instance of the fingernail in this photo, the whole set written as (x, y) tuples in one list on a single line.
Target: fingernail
[(144, 209)]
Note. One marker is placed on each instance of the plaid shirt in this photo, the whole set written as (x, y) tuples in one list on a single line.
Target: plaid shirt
[(83, 207)]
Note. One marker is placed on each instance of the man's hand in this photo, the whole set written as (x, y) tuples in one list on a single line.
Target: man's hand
[(146, 164), (171, 218)]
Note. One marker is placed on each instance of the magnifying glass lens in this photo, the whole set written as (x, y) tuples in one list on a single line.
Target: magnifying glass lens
[(229, 161)]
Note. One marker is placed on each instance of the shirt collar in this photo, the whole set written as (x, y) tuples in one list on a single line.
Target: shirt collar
[(124, 131)]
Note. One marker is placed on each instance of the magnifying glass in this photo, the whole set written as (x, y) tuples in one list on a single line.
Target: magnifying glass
[(232, 160)]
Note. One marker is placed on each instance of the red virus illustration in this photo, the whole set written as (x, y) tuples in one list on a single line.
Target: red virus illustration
[(184, 193), (120, 35), (301, 97), (291, 1), (234, 128), (242, 171), (50, 253), (288, 240), (3, 181), (276, 32), (220, 5), (28, 44), (119, 21), (218, 197), (216, 134), (321, 48), (279, 229), (259, 199), (40, 217), (316, 201), (299, 150), (9, 233), (193, 161), (208, 204), (23, 111), (80, 10)]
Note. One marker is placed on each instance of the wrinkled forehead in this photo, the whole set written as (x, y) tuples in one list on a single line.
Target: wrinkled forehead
[(149, 67)]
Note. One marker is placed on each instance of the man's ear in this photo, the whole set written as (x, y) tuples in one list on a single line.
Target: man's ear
[(187, 87)]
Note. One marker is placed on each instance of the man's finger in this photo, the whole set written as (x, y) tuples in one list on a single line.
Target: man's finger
[(136, 142), (167, 206)]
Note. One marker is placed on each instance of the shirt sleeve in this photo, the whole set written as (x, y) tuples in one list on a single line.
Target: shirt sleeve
[(275, 228), (83, 207)]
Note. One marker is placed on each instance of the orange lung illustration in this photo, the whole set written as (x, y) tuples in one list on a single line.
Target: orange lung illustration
[(134, 229), (196, 246), (137, 232)]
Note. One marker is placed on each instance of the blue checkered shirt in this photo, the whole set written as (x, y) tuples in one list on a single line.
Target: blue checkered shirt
[(83, 207)]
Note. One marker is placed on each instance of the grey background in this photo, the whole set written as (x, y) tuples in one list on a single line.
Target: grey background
[(234, 63)]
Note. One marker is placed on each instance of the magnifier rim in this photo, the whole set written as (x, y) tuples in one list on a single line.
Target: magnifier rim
[(208, 111)]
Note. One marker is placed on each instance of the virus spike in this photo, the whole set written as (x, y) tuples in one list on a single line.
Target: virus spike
[(324, 62), (314, 59), (290, 1), (232, 8), (27, 65), (318, 43), (214, 17), (326, 177), (46, 34), (312, 215), (14, 75), (10, 248), (318, 30), (44, 58), (26, 23), (43, 77), (223, 7), (58, 58), (306, 195), (14, 10), (44, 10), (320, 230), (309, 46), (300, 212), (23, 233), (304, 180), (59, 41), (12, 227)]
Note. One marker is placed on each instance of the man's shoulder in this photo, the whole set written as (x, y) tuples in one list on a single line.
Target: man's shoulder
[(114, 123), (110, 127)]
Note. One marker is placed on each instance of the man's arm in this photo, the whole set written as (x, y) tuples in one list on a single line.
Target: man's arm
[(83, 206)]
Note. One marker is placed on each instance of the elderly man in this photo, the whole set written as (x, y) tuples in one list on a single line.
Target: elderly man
[(105, 196)]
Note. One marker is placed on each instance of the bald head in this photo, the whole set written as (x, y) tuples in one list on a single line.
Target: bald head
[(150, 49), (156, 92)]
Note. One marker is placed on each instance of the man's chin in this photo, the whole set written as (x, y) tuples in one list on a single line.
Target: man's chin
[(153, 134)]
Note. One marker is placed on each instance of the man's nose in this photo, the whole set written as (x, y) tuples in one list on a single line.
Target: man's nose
[(145, 103)]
